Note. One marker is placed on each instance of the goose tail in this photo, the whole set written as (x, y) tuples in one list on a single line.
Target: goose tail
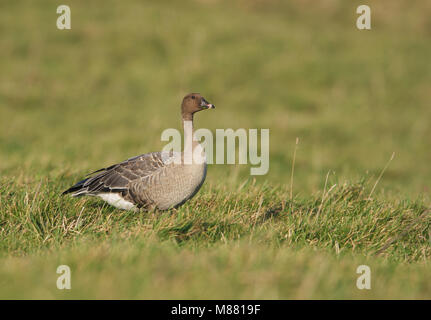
[(78, 189)]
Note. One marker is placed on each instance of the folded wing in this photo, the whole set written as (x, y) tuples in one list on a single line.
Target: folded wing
[(119, 177)]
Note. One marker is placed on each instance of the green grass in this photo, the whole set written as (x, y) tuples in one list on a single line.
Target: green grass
[(74, 101)]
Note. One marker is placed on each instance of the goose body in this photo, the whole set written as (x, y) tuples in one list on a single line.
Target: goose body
[(160, 180)]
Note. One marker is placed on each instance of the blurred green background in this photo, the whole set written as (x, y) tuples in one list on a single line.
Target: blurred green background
[(73, 101), (106, 89)]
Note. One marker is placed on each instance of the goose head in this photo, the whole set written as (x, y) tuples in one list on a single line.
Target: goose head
[(193, 103)]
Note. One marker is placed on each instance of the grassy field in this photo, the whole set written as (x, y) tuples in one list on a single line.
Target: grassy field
[(76, 100)]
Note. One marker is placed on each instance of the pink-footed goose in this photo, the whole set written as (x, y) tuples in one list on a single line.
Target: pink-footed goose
[(156, 180)]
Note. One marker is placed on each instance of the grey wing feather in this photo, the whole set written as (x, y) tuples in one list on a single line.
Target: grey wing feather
[(117, 178)]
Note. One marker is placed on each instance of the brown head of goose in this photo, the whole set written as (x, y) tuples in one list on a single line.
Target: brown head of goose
[(159, 180)]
